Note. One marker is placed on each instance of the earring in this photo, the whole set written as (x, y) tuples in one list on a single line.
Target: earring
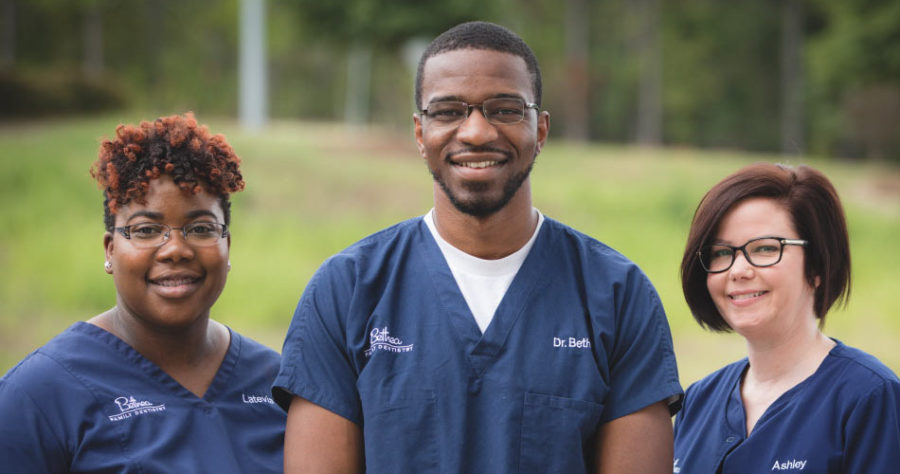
[(228, 268), (107, 266)]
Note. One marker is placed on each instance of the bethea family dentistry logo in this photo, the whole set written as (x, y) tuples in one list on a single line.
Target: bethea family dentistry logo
[(380, 339), (129, 406)]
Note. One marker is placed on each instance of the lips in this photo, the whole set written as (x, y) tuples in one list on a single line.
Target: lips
[(176, 285), (478, 158)]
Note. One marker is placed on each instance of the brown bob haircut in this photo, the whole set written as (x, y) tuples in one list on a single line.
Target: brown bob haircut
[(815, 209)]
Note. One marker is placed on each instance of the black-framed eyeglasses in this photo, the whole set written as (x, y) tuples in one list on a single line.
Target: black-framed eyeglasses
[(759, 252), (151, 234), (498, 111)]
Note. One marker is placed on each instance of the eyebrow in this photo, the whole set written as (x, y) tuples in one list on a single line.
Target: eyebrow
[(456, 98), (158, 215)]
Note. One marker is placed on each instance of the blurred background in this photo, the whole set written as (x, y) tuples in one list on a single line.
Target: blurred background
[(652, 102)]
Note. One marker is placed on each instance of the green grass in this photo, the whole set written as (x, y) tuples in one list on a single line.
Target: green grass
[(314, 188)]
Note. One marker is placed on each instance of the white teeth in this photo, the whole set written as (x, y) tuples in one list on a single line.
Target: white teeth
[(174, 282), (478, 164), (747, 295)]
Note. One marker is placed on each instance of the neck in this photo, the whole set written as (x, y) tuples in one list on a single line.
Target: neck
[(489, 237), (172, 350), (788, 359)]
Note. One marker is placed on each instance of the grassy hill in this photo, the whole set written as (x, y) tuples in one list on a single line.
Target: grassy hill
[(314, 188)]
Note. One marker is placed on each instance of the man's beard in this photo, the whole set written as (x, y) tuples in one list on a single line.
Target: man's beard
[(481, 206)]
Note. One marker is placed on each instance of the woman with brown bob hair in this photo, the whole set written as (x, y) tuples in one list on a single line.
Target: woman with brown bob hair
[(767, 256), (153, 384)]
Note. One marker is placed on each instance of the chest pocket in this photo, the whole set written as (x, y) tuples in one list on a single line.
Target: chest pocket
[(400, 432), (557, 433)]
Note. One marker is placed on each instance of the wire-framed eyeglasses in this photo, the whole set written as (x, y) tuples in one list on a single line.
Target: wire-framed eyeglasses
[(759, 252), (498, 111), (151, 234)]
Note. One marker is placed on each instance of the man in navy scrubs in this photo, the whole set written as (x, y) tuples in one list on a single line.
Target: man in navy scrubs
[(482, 336)]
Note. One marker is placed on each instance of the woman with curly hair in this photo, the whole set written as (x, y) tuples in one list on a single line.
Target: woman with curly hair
[(153, 384)]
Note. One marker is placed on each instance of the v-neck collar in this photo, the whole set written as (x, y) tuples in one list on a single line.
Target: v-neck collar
[(737, 416), (218, 385), (482, 349)]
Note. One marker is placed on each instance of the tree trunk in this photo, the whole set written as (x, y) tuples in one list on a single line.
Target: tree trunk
[(92, 32), (577, 100), (359, 75), (253, 98), (792, 136), (7, 35), (648, 129)]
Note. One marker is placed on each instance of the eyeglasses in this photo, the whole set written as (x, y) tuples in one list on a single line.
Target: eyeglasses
[(149, 235), (498, 111), (760, 252)]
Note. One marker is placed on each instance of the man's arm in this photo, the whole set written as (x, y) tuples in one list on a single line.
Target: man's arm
[(638, 442), (319, 441)]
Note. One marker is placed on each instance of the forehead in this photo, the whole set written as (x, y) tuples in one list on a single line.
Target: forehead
[(473, 75), (169, 200), (756, 217)]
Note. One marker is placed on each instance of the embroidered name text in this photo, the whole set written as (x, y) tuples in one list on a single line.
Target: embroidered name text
[(583, 343), (793, 464)]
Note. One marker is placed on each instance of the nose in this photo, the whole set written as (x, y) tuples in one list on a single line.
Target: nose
[(176, 248), (475, 129), (741, 268)]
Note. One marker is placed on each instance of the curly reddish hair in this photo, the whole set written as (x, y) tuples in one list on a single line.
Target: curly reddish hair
[(175, 145)]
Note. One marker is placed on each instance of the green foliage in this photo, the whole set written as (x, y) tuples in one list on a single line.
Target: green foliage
[(721, 84), (56, 92), (314, 188)]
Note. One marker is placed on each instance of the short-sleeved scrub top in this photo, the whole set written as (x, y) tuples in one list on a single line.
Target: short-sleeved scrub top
[(88, 402), (841, 419), (383, 337)]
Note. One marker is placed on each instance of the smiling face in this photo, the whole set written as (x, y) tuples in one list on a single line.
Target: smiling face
[(480, 167), (764, 301), (173, 285)]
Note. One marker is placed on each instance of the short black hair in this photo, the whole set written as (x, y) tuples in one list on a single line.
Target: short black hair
[(480, 35)]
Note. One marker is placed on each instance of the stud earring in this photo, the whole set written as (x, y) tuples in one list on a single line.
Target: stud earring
[(107, 266)]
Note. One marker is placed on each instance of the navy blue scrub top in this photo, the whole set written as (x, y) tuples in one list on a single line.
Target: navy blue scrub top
[(88, 402), (383, 337), (842, 419)]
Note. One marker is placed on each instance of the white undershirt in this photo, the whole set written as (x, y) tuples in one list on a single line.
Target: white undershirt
[(482, 282)]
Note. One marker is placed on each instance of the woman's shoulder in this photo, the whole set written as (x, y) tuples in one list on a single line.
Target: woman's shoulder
[(715, 385), (254, 355), (725, 375), (53, 360), (857, 370)]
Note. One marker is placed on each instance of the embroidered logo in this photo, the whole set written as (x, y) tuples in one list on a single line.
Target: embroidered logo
[(571, 342), (380, 339), (675, 468), (790, 465), (129, 406), (250, 399)]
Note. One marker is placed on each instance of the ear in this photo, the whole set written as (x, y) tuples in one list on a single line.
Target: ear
[(543, 130), (228, 253), (417, 125), (817, 281), (108, 248)]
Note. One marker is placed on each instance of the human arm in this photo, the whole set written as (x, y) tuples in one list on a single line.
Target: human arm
[(319, 441), (637, 442)]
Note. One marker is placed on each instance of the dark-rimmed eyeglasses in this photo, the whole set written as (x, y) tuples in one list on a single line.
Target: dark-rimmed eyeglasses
[(498, 111), (150, 234), (759, 252)]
